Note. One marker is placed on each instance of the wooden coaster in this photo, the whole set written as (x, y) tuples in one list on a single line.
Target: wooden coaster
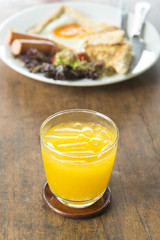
[(56, 206)]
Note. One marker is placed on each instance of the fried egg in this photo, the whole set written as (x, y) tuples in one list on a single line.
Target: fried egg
[(66, 31), (68, 27)]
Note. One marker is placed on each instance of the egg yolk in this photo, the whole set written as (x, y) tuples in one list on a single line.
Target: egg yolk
[(71, 30)]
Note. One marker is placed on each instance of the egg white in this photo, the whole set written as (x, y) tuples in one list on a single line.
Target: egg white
[(72, 42)]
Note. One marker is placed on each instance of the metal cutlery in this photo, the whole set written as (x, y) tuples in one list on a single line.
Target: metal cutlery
[(141, 11), (124, 7)]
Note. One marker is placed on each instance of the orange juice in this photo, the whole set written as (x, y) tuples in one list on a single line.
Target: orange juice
[(78, 159)]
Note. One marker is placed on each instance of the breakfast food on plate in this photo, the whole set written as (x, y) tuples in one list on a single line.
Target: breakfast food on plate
[(68, 65), (118, 56), (80, 47), (68, 27), (20, 46), (13, 35)]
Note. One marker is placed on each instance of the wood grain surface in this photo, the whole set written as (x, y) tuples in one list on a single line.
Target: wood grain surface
[(134, 213)]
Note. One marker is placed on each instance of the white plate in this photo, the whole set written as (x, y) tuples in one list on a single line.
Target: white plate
[(101, 12)]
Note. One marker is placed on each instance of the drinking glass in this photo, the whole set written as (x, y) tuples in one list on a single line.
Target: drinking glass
[(78, 180)]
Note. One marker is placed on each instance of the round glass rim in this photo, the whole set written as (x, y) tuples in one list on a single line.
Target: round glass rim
[(80, 111)]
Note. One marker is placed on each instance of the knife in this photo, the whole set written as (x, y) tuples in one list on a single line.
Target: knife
[(141, 11), (124, 7)]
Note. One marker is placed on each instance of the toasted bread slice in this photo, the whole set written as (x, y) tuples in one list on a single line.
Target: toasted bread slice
[(117, 56), (109, 37)]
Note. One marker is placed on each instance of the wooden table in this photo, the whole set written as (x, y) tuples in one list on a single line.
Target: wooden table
[(134, 105)]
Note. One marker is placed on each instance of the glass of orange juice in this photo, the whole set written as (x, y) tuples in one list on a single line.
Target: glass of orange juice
[(78, 150)]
